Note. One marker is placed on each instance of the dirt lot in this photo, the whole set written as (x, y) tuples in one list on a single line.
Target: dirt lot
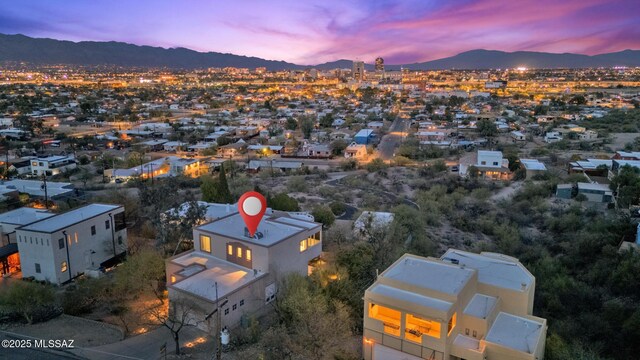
[(620, 139)]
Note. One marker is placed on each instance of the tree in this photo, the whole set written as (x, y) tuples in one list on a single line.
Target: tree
[(326, 121), (487, 128), (28, 299), (175, 318), (143, 270), (224, 195), (291, 124), (283, 202), (324, 215), (626, 184), (306, 126), (337, 146)]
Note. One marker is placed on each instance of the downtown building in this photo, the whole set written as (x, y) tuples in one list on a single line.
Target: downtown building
[(236, 274), (461, 306)]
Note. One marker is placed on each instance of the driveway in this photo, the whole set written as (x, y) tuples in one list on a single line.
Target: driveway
[(141, 347)]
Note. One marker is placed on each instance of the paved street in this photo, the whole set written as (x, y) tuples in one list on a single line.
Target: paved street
[(393, 139)]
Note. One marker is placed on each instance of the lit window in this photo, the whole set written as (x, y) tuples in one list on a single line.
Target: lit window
[(173, 279), (389, 317), (416, 326), (239, 254), (63, 267), (452, 324), (229, 250), (248, 252), (303, 245), (205, 243)]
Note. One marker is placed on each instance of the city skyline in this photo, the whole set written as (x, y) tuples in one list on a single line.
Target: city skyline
[(314, 32)]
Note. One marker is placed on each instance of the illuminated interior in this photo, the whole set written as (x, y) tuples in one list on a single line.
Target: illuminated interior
[(389, 317), (205, 243), (229, 249), (303, 245), (313, 240), (452, 324), (416, 326)]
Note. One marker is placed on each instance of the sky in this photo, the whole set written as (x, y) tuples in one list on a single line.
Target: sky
[(315, 31)]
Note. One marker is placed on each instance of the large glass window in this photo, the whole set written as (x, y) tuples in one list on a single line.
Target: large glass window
[(119, 221), (452, 324), (303, 245), (389, 317), (416, 326), (313, 240), (205, 243)]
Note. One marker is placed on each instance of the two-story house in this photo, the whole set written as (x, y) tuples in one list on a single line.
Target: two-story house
[(461, 306), (52, 165), (489, 165), (239, 273), (61, 247)]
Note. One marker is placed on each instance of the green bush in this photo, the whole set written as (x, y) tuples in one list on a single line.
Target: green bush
[(338, 207), (33, 301)]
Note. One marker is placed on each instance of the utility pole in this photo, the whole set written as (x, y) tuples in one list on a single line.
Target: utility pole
[(44, 186), (218, 328)]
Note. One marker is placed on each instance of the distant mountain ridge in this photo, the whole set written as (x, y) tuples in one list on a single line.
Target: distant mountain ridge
[(39, 51)]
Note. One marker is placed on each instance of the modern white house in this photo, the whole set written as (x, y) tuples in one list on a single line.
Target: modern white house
[(63, 246), (236, 272), (52, 165), (461, 306), (489, 165), (9, 222)]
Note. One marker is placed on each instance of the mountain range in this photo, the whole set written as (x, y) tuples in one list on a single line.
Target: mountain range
[(40, 51)]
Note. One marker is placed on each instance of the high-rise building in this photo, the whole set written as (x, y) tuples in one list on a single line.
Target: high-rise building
[(460, 306), (379, 64), (358, 70)]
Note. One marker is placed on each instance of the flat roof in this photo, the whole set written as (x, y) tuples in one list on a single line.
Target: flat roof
[(61, 221), (466, 342), (594, 186), (429, 274), (24, 216), (494, 269), (480, 306), (532, 164), (229, 276), (411, 297), (515, 332), (273, 230), (34, 187)]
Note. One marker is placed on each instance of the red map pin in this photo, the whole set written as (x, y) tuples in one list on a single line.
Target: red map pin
[(252, 206)]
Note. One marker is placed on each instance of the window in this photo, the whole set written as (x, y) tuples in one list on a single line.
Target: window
[(389, 317), (242, 302), (226, 311), (466, 331), (37, 268), (313, 240), (119, 239), (119, 221), (475, 333), (248, 252), (483, 163), (495, 163), (205, 243), (60, 243), (63, 266), (107, 224), (452, 324), (239, 254), (93, 229), (303, 245), (416, 327), (34, 163), (173, 279), (235, 306), (229, 249)]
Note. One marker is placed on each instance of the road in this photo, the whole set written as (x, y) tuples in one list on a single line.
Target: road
[(31, 353), (389, 142)]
